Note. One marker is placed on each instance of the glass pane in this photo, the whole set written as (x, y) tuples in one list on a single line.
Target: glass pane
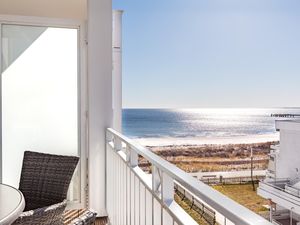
[(39, 96), (14, 42)]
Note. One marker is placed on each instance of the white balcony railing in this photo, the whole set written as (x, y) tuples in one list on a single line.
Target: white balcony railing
[(284, 184), (135, 197)]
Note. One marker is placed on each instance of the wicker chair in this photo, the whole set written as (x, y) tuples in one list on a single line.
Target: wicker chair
[(52, 215), (43, 216), (44, 182), (45, 178)]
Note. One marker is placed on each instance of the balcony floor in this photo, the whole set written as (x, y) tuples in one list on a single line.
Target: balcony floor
[(101, 221), (70, 215)]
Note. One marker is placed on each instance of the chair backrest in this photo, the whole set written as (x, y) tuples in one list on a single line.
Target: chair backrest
[(43, 216), (45, 178)]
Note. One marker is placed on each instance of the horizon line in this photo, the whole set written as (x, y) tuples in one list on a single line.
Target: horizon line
[(228, 107)]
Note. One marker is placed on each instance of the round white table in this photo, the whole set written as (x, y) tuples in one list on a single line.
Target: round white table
[(12, 204)]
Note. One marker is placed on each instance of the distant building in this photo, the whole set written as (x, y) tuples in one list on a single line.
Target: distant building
[(282, 184)]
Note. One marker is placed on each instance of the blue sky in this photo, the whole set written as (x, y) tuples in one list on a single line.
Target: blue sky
[(212, 53)]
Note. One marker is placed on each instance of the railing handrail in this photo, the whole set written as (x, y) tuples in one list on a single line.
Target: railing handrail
[(273, 184), (224, 205), (279, 180), (294, 181), (283, 189)]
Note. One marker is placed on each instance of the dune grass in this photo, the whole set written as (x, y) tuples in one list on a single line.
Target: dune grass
[(244, 194), (186, 205), (241, 193)]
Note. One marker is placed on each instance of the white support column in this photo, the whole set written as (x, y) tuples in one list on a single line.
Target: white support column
[(99, 15), (117, 70)]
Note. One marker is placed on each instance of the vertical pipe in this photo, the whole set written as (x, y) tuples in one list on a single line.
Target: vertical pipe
[(291, 216), (252, 181), (275, 164), (117, 70), (271, 210)]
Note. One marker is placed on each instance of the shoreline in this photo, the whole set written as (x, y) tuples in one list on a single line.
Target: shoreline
[(214, 157), (202, 141)]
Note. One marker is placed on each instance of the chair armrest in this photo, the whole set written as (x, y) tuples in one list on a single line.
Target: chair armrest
[(86, 218), (48, 213)]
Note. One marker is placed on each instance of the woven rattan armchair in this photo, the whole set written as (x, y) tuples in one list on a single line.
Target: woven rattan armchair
[(44, 182), (52, 215), (43, 216), (45, 178)]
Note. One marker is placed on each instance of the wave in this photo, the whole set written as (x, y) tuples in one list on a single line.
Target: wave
[(155, 127), (168, 141)]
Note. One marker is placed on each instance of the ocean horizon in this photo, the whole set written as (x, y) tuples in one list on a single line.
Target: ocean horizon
[(159, 127)]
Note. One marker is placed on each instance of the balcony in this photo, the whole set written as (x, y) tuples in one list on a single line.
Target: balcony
[(282, 192), (136, 197), (116, 184), (283, 217)]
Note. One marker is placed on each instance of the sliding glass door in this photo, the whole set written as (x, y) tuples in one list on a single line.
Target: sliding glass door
[(39, 97)]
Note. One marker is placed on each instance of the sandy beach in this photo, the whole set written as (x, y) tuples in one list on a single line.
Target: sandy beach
[(218, 155), (200, 141)]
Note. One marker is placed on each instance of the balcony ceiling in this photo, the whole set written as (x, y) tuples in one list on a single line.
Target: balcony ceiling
[(70, 9)]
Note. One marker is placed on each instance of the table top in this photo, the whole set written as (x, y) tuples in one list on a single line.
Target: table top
[(12, 204)]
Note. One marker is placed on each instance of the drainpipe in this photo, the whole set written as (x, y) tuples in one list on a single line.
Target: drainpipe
[(271, 210), (117, 70), (291, 216)]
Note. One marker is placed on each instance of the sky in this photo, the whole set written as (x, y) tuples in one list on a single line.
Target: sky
[(210, 53)]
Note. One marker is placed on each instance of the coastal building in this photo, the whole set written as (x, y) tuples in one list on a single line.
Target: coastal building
[(60, 94), (282, 184), (273, 157)]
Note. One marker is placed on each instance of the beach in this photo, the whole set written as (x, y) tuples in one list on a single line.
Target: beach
[(210, 140), (218, 155), (206, 140)]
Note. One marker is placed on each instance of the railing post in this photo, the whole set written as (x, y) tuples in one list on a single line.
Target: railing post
[(133, 157), (156, 180), (109, 137), (127, 153), (167, 188), (117, 144)]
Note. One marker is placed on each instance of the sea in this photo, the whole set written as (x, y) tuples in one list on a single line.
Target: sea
[(162, 127)]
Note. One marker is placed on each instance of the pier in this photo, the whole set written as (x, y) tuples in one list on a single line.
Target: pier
[(285, 115)]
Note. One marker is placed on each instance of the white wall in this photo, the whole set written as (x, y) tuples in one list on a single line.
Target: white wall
[(289, 160), (100, 96), (71, 9)]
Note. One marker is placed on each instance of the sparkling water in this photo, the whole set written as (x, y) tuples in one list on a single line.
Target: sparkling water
[(188, 124)]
